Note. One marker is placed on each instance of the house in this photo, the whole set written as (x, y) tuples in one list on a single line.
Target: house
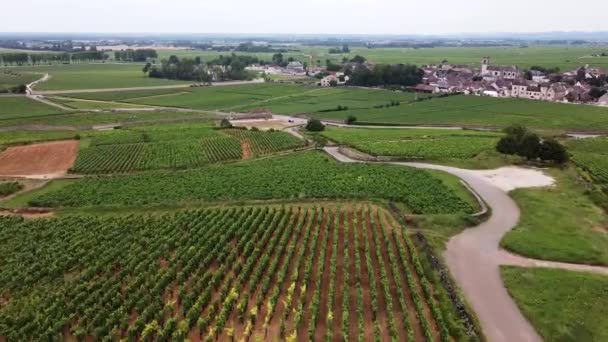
[(339, 78), (426, 88), (495, 72), (295, 67)]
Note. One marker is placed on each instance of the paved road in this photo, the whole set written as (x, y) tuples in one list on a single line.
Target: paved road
[(473, 258)]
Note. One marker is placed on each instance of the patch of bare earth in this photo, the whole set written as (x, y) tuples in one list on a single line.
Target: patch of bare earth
[(39, 161), (246, 148)]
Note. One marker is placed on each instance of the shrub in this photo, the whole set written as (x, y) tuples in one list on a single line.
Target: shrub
[(315, 125), (225, 123), (351, 119), (552, 150)]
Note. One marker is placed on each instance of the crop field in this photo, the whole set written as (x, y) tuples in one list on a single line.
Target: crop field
[(342, 273), (177, 146), (9, 79), (307, 175), (377, 106), (326, 100), (592, 156), (93, 76), (18, 107), (87, 119), (481, 111), (76, 104), (128, 95), (425, 144), (566, 58), (224, 97)]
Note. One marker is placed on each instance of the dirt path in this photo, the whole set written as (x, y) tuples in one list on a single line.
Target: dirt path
[(47, 102), (246, 148), (175, 86), (473, 258)]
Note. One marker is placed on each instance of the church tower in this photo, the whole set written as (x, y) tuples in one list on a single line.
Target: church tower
[(485, 62)]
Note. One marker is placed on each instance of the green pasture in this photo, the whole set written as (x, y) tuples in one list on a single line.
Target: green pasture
[(14, 107), (562, 305)]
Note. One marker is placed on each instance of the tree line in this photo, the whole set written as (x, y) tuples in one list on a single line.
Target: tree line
[(223, 68), (385, 75), (20, 58), (139, 55)]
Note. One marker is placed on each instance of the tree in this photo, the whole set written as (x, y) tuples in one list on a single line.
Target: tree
[(333, 83), (507, 145), (147, 68), (225, 123), (345, 49), (552, 150), (314, 125), (529, 146), (358, 59), (351, 119), (516, 130)]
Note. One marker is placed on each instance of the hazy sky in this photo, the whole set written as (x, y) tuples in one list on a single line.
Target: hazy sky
[(309, 16)]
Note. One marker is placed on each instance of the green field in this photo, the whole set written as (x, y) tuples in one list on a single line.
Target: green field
[(10, 79), (417, 144), (562, 305), (566, 58), (216, 273), (76, 104), (474, 111), (88, 119), (176, 147), (94, 76), (303, 175), (374, 106), (592, 156), (19, 107), (559, 223)]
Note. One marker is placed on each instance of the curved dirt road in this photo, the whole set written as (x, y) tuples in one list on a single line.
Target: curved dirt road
[(474, 257)]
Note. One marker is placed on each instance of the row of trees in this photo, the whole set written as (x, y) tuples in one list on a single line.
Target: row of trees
[(386, 75), (140, 55), (524, 143), (21, 58)]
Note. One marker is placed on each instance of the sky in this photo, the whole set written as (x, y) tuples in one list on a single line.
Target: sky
[(309, 16)]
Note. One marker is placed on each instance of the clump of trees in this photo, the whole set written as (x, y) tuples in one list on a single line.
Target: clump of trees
[(186, 69), (315, 125), (20, 58), (351, 119), (139, 55), (526, 144), (385, 75), (344, 49), (232, 67)]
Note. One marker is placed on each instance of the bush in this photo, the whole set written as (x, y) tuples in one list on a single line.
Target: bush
[(351, 119), (315, 125), (225, 123), (552, 150)]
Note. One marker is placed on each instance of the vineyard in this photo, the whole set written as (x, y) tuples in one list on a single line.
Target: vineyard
[(177, 147), (591, 155), (299, 273), (426, 144), (8, 188), (311, 175)]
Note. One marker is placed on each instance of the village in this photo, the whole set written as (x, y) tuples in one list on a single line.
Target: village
[(578, 86)]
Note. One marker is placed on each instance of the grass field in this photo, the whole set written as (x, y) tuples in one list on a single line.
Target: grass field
[(93, 76), (562, 305), (419, 144), (249, 272), (560, 223), (305, 175), (10, 79), (90, 105), (15, 107)]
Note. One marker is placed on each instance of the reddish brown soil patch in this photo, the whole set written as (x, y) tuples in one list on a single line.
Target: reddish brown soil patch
[(246, 148), (47, 160)]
